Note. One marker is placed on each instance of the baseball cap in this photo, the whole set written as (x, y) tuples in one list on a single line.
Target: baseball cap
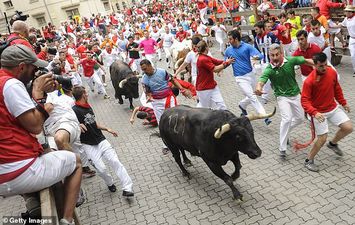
[(16, 54)]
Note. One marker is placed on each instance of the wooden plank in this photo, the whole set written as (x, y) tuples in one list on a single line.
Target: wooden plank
[(48, 207)]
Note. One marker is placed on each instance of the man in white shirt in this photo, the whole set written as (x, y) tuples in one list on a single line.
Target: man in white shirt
[(220, 34), (316, 36), (349, 23), (168, 40)]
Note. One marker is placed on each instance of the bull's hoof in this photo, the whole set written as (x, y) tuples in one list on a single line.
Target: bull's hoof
[(187, 174), (238, 198), (120, 102), (188, 163)]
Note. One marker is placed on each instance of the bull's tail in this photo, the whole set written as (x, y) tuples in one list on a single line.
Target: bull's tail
[(299, 146)]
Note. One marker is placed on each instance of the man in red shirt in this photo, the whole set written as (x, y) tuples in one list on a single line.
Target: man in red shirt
[(181, 34), (207, 91), (202, 7), (320, 90), (91, 75), (307, 50), (326, 5)]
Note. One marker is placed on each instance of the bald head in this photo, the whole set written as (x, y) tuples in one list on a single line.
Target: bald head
[(20, 27)]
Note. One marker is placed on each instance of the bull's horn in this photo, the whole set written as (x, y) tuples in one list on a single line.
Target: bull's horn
[(178, 63), (261, 116), (122, 83), (220, 131)]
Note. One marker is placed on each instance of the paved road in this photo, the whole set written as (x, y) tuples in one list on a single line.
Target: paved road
[(275, 192)]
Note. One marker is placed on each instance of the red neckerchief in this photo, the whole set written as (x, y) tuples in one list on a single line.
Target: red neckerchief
[(83, 105), (279, 64), (351, 16), (263, 34)]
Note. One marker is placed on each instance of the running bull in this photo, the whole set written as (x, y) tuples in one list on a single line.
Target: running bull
[(215, 135), (124, 81)]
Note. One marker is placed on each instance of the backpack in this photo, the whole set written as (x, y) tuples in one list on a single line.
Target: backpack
[(5, 44)]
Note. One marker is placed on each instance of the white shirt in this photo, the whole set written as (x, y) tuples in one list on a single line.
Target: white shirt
[(168, 39), (350, 25), (62, 110), (17, 102), (155, 35), (191, 58), (219, 31), (318, 40), (16, 98), (201, 29), (109, 58)]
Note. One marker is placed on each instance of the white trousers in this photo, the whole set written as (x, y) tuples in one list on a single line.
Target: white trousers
[(247, 84), (328, 53), (159, 106), (104, 150), (95, 78), (352, 51), (47, 170), (259, 69), (203, 13), (221, 44), (135, 66), (152, 59), (167, 51), (292, 114), (211, 98)]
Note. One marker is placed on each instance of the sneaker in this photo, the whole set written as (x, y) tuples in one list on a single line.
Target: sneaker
[(105, 85), (165, 151), (107, 96), (65, 222), (127, 194), (87, 172), (282, 154), (309, 164), (335, 148), (112, 188), (244, 112), (81, 198), (267, 121)]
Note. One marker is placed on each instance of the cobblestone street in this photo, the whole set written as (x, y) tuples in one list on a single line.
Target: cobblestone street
[(275, 191)]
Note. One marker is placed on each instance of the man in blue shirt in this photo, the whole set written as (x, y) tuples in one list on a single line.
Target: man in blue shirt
[(243, 71)]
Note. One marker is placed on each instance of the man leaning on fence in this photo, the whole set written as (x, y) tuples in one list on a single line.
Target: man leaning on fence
[(24, 168)]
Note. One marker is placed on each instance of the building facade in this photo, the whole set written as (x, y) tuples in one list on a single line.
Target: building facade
[(42, 12)]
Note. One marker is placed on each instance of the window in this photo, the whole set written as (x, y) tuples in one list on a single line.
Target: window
[(124, 5), (107, 6), (32, 1), (118, 6), (41, 21), (72, 12), (8, 4)]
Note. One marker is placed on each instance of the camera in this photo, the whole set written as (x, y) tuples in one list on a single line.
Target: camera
[(18, 16), (41, 43), (64, 81)]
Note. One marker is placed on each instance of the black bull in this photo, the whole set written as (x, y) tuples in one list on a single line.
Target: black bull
[(214, 135), (124, 81)]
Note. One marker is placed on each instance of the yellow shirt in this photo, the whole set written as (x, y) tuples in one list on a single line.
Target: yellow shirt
[(295, 21)]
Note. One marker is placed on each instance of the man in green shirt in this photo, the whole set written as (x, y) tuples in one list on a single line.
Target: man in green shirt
[(282, 75)]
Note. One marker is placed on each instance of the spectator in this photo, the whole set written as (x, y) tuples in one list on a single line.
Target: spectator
[(24, 168)]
